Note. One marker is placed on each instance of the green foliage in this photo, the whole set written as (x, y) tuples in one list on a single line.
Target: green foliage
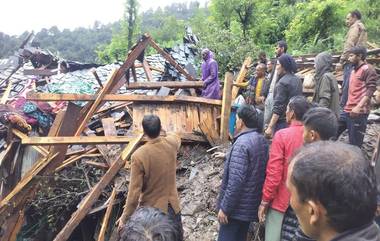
[(232, 29), (370, 10), (123, 40), (227, 45), (314, 24), (78, 44)]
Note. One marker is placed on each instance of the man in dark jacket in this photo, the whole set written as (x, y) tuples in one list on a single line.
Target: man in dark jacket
[(269, 86), (333, 192), (288, 86), (243, 178), (326, 90)]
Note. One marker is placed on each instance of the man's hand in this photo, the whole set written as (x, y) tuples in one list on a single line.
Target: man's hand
[(339, 67), (222, 217), (268, 132), (263, 209), (219, 155), (355, 111)]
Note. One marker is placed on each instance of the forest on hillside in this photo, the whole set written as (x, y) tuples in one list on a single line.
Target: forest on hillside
[(232, 29)]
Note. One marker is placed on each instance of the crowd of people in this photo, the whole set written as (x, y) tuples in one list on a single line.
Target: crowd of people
[(305, 185)]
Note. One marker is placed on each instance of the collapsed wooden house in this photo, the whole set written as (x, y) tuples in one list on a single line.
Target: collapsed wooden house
[(196, 119)]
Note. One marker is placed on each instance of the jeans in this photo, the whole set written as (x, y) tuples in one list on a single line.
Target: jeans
[(356, 127), (347, 69), (235, 230)]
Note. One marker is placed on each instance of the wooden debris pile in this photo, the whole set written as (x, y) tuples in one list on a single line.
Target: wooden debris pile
[(71, 183), (74, 175)]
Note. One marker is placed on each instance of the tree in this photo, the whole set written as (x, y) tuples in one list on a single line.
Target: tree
[(244, 10), (130, 15), (222, 12)]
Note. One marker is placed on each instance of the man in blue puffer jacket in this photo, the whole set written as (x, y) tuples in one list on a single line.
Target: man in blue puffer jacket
[(243, 177)]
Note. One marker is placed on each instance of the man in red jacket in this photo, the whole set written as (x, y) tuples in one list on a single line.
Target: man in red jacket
[(275, 199)]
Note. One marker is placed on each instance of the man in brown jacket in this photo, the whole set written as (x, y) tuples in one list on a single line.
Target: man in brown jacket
[(356, 37), (153, 174)]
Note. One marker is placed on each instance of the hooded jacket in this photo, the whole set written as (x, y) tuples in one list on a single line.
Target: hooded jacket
[(326, 90), (210, 77)]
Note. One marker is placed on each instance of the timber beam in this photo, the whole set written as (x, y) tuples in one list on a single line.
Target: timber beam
[(168, 84), (114, 97)]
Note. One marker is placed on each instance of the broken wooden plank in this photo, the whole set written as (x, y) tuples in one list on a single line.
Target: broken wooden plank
[(12, 227), (226, 106), (209, 132), (96, 103), (74, 158), (136, 51), (133, 70), (56, 125), (151, 68), (21, 135), (92, 140), (4, 154), (95, 74), (18, 226), (241, 76), (147, 70), (38, 167), (75, 140), (168, 84), (107, 215), (109, 129), (94, 194), (97, 164), (69, 127), (112, 97)]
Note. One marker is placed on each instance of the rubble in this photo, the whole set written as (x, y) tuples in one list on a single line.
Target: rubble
[(63, 186), (198, 182)]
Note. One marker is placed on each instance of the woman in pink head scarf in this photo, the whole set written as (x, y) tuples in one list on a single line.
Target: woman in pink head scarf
[(211, 88)]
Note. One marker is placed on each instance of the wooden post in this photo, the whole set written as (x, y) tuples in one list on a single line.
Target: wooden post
[(107, 215), (147, 70), (94, 194), (96, 103), (226, 106)]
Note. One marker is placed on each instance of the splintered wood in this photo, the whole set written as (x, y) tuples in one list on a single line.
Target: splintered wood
[(91, 197), (189, 116)]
